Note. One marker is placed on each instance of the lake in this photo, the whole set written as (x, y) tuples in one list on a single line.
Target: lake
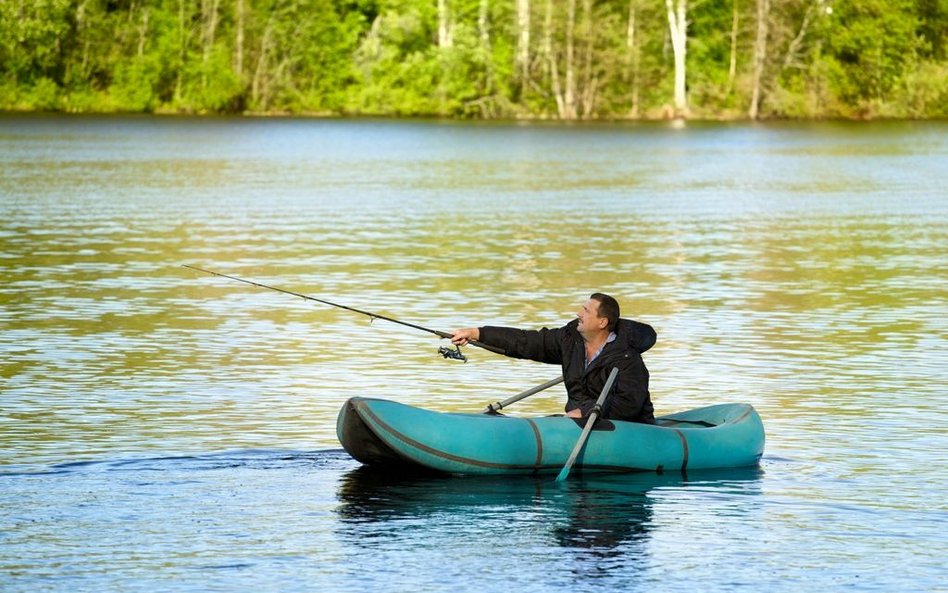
[(165, 430)]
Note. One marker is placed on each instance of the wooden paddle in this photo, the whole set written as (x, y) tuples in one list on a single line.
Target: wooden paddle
[(597, 409)]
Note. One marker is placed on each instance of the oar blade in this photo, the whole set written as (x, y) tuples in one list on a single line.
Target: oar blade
[(564, 473)]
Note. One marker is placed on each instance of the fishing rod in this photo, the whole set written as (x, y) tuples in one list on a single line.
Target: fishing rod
[(444, 351)]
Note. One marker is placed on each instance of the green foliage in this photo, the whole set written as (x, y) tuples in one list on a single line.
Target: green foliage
[(933, 27), (923, 92), (133, 86), (43, 94), (870, 45), (31, 33), (823, 58)]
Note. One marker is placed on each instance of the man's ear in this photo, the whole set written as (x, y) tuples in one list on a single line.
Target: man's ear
[(603, 322)]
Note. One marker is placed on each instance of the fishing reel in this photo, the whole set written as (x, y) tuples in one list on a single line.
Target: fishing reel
[(454, 354)]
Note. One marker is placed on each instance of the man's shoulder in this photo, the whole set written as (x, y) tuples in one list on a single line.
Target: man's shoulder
[(570, 333)]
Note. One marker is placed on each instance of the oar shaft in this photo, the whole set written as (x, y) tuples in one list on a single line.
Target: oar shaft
[(497, 406), (440, 334), (597, 409)]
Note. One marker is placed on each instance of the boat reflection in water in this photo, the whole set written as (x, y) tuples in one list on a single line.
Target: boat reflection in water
[(605, 516)]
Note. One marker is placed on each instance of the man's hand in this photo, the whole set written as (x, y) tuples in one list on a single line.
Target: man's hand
[(461, 337)]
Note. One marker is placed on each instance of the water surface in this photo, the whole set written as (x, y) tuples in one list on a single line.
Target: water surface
[(160, 429)]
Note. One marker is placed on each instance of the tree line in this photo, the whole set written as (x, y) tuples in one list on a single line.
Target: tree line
[(557, 59)]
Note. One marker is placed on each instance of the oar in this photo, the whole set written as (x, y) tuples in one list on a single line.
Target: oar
[(497, 406), (597, 409)]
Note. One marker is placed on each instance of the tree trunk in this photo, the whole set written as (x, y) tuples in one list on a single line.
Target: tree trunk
[(80, 26), (483, 25), (631, 43), (590, 80), (209, 9), (569, 98), (794, 47), (182, 52), (760, 56), (732, 67), (678, 28), (122, 32), (553, 67), (444, 24), (143, 33), (209, 14), (239, 40), (260, 87), (523, 42)]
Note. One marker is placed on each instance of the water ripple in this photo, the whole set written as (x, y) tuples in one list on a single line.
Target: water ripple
[(161, 429)]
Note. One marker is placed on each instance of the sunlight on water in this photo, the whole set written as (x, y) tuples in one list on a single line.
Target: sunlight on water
[(799, 268)]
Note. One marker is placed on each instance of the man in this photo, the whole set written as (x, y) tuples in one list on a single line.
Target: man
[(587, 348)]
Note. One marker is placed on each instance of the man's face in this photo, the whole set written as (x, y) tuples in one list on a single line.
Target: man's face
[(589, 320)]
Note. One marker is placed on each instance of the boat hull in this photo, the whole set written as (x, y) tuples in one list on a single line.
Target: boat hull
[(387, 433)]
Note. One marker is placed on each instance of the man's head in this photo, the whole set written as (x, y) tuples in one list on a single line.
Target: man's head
[(599, 313), (608, 308)]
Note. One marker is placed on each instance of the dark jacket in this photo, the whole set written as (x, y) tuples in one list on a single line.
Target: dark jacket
[(564, 346)]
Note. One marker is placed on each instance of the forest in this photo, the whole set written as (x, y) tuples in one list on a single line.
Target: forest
[(484, 59)]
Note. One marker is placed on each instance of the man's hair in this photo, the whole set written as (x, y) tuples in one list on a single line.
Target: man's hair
[(608, 308)]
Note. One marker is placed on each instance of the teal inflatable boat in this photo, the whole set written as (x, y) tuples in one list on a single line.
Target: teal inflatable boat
[(386, 433)]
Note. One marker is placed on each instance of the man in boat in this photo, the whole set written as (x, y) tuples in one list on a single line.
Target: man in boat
[(587, 348)]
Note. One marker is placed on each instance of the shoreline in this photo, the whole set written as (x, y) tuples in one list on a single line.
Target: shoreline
[(316, 115)]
